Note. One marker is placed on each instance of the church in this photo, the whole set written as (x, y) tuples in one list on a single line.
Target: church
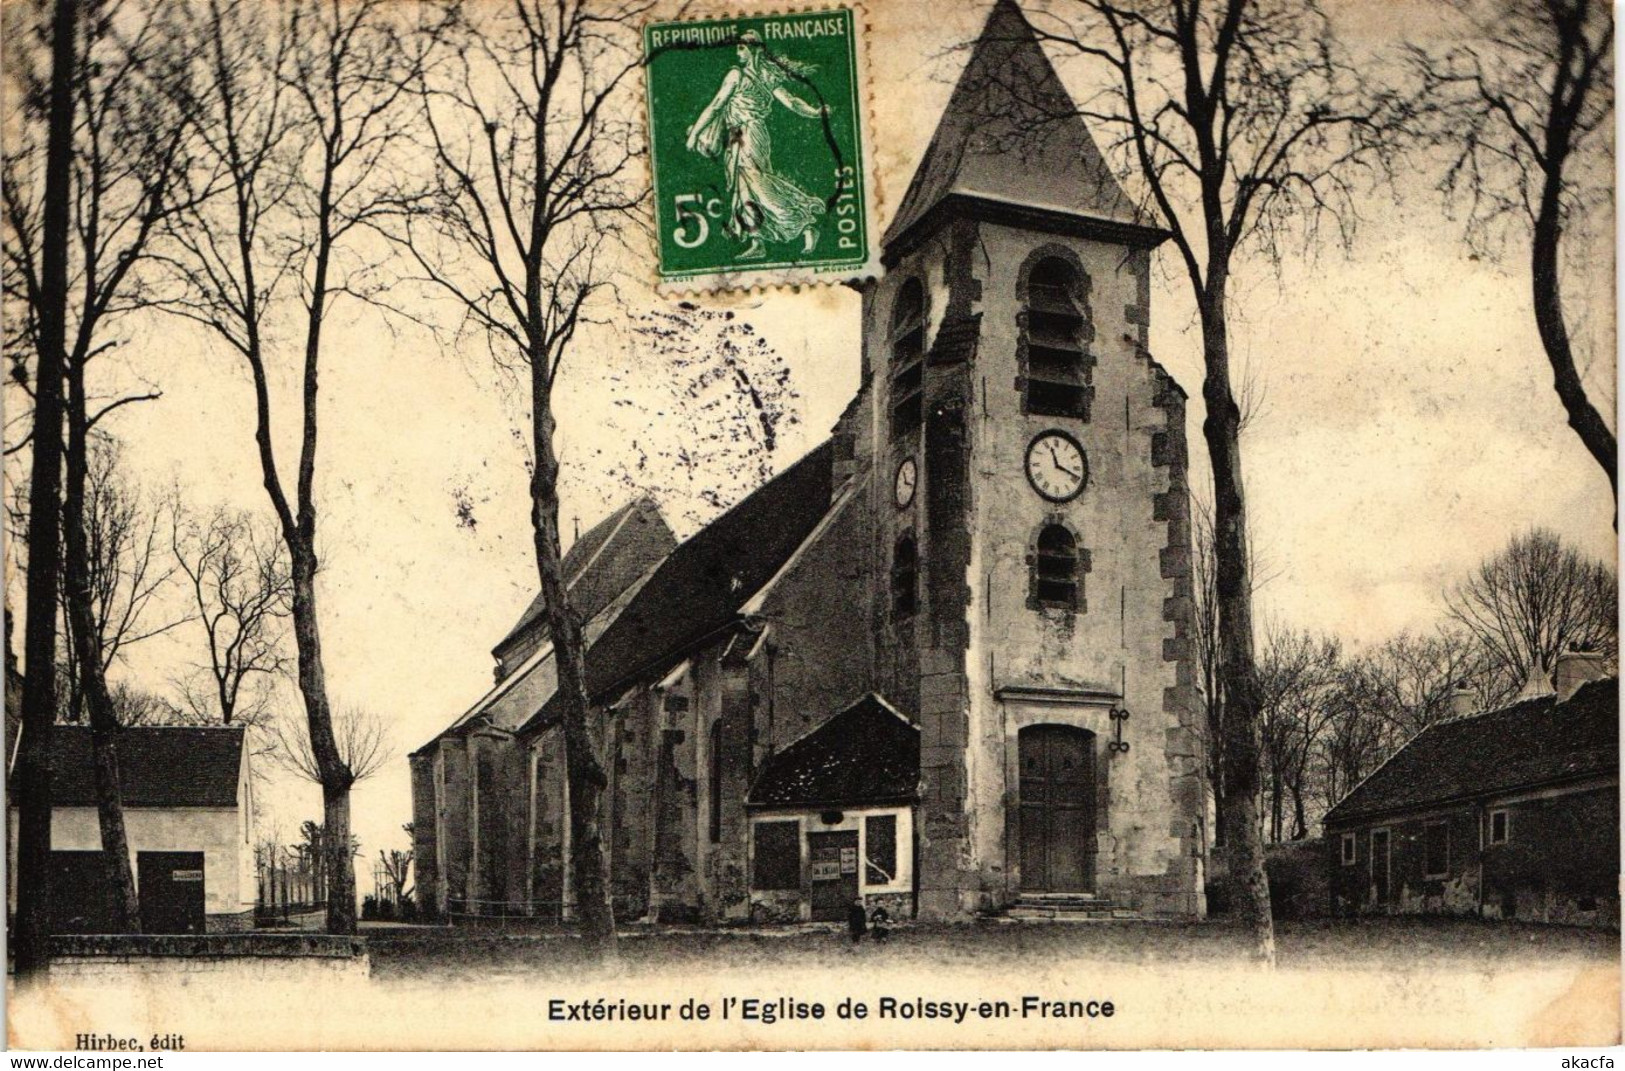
[(944, 662)]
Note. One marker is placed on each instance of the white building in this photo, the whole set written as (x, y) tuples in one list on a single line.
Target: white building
[(188, 814)]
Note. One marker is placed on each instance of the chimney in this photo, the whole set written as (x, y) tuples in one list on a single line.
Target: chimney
[(1537, 686), (1463, 701), (1576, 668)]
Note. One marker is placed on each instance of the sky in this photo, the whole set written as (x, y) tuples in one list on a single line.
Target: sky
[(1407, 428)]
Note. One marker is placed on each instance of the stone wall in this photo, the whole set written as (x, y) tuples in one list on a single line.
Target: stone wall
[(1126, 643), (258, 957), (920, 657), (977, 635), (676, 889), (549, 837), (425, 845), (217, 832), (630, 733), (1559, 863)]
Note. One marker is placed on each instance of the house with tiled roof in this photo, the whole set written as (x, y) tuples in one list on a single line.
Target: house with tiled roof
[(189, 819), (1506, 813), (991, 551), (832, 817)]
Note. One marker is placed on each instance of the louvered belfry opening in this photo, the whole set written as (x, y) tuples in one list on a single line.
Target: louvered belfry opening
[(908, 360), (1055, 333), (1055, 573)]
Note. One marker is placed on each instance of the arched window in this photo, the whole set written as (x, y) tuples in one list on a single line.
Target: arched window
[(1055, 335), (1055, 569), (905, 563), (907, 359)]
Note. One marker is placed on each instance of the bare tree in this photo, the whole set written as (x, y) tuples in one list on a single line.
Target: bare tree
[(534, 179), (31, 938), (126, 149), (361, 736), (1536, 599), (237, 570), (1408, 681), (125, 566), (1245, 123), (1524, 99), (295, 109), (1204, 585), (1295, 673), (1356, 738), (397, 867), (134, 706)]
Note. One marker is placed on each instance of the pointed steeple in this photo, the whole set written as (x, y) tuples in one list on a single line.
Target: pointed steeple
[(1011, 134)]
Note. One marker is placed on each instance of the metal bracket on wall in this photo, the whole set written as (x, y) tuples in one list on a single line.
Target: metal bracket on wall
[(1118, 716)]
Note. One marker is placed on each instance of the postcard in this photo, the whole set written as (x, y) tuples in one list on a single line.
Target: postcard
[(621, 524)]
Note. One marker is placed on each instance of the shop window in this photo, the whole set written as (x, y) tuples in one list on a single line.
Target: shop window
[(880, 849), (777, 856)]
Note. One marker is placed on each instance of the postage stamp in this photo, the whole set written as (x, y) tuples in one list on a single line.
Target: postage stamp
[(757, 147)]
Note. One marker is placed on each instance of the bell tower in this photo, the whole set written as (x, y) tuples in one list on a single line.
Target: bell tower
[(1032, 543)]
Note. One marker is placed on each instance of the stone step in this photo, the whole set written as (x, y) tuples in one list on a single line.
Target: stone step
[(1022, 913), (1098, 903)]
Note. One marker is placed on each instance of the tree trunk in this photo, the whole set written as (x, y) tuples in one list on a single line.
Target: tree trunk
[(335, 775), (590, 864), (1584, 418), (104, 727), (1238, 671), (32, 933), (340, 864), (1215, 759)]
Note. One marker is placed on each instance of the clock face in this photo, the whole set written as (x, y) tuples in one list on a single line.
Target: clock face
[(1056, 466), (908, 477)]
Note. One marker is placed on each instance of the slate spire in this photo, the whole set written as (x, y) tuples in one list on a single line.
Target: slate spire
[(1012, 133)]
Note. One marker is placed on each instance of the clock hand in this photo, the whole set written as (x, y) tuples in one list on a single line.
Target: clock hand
[(1070, 472)]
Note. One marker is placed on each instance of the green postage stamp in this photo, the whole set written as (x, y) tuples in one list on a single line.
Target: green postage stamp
[(756, 142)]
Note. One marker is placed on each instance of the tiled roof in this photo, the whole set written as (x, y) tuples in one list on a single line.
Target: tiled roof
[(159, 766), (586, 597), (699, 587), (868, 753), (1526, 745), (1011, 132)]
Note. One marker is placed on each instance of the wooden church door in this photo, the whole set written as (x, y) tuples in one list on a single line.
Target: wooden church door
[(1057, 808)]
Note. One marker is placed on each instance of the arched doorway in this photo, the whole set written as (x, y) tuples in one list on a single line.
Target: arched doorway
[(1057, 765)]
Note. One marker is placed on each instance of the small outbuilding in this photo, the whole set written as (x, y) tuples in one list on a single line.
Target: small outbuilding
[(1509, 813), (832, 818), (188, 815)]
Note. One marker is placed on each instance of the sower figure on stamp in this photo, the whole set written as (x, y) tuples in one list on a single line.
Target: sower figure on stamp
[(763, 204)]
